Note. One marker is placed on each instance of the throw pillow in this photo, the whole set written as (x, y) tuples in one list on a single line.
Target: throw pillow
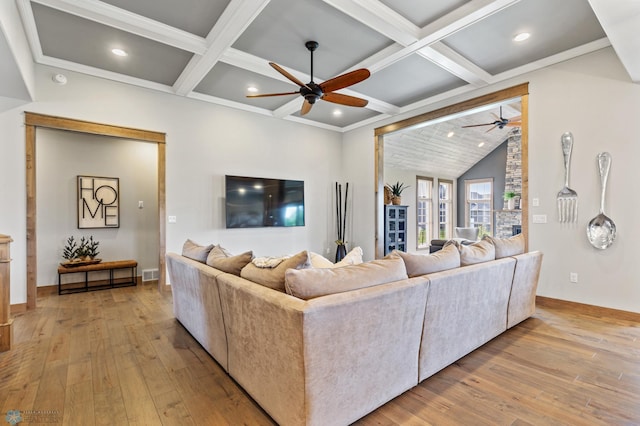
[(354, 257), (421, 264), (221, 259), (482, 251), (195, 251), (470, 234), (319, 261), (505, 247), (274, 277), (310, 283)]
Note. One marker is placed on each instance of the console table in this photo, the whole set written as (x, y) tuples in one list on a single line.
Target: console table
[(104, 283)]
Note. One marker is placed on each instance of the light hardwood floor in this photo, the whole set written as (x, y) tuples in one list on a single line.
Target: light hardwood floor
[(118, 357)]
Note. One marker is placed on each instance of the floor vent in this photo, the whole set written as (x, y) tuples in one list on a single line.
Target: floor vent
[(150, 274)]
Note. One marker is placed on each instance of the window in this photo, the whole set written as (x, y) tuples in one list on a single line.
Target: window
[(479, 205), (445, 209), (424, 215)]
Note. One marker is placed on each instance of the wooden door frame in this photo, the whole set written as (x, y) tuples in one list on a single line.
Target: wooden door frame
[(33, 121), (520, 91)]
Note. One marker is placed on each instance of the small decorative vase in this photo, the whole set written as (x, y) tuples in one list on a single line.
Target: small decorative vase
[(341, 252), (396, 200), (511, 203)]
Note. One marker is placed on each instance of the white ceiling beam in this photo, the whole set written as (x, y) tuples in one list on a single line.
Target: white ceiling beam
[(121, 19), (380, 18), (456, 64), (620, 20), (234, 20)]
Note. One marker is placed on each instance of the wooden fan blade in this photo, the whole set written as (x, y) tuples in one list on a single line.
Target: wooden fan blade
[(286, 74), (345, 80), (306, 107), (518, 118), (266, 95), (494, 126), (339, 98), (514, 124)]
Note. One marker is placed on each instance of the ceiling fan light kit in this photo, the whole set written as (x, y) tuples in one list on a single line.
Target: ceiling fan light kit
[(312, 91)]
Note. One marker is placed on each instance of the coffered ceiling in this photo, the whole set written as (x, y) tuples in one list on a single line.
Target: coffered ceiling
[(418, 52)]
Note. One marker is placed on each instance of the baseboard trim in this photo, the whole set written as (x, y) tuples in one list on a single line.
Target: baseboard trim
[(18, 308), (591, 310)]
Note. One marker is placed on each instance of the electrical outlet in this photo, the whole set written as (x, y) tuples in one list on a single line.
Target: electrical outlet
[(539, 218), (535, 202), (573, 277), (328, 250), (172, 219)]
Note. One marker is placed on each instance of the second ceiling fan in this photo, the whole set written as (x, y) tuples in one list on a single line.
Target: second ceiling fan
[(500, 122), (312, 91)]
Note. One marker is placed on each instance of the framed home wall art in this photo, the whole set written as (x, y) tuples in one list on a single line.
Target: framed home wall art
[(98, 202)]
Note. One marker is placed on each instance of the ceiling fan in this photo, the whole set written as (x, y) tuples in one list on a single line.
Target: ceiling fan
[(500, 122), (311, 91)]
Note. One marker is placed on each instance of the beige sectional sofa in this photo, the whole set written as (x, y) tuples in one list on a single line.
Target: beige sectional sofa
[(332, 359)]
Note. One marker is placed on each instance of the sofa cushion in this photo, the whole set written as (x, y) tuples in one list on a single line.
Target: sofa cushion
[(505, 247), (310, 283), (482, 251), (221, 259), (354, 257), (421, 264), (274, 277), (195, 251)]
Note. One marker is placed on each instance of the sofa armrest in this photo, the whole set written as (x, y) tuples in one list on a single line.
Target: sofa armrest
[(196, 303), (522, 301)]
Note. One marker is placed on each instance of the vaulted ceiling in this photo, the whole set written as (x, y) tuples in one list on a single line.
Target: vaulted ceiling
[(418, 52)]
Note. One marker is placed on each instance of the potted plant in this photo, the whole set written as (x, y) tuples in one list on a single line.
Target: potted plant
[(510, 198), (80, 253), (396, 192)]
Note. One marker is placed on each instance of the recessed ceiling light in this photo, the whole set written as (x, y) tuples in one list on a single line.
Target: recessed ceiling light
[(481, 144), (450, 134), (337, 112), (252, 89), (119, 52), (521, 37)]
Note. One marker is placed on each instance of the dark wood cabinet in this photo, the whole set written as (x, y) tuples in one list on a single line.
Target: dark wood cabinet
[(395, 228)]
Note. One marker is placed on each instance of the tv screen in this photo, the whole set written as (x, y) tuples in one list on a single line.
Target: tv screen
[(258, 202)]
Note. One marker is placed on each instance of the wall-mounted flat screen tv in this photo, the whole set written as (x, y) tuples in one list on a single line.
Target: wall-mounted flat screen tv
[(259, 202)]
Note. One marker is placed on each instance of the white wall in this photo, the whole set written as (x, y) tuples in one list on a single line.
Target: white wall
[(60, 157), (204, 142), (591, 96), (594, 98)]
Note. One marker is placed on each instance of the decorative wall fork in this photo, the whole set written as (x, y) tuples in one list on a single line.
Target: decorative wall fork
[(567, 198)]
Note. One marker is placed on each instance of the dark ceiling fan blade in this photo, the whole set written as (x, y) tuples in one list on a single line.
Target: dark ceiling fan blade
[(306, 107), (286, 74), (338, 98), (345, 80), (479, 125), (265, 95)]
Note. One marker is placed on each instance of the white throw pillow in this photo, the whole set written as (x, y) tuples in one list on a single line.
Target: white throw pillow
[(354, 257)]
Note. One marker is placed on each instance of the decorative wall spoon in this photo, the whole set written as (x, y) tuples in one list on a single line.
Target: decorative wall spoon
[(601, 230)]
